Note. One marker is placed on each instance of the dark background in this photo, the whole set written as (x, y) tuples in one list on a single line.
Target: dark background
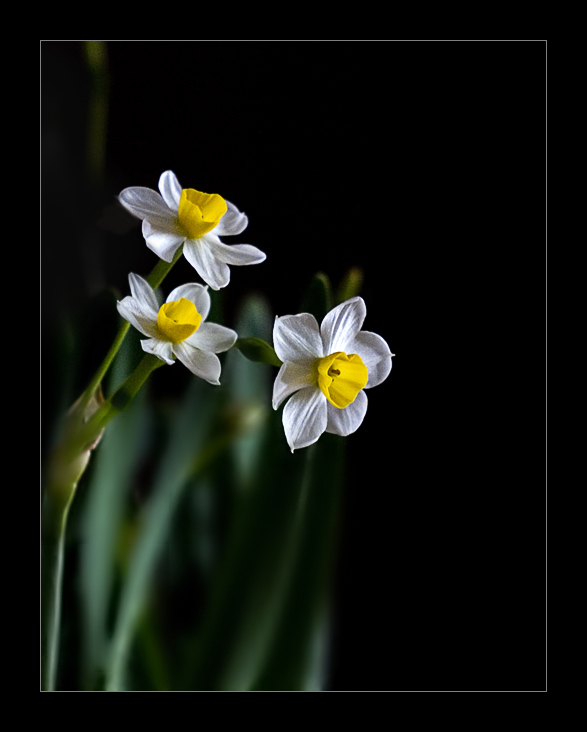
[(422, 163)]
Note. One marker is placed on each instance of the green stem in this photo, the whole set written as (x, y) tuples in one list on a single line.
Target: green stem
[(53, 523), (123, 396), (105, 365), (162, 269)]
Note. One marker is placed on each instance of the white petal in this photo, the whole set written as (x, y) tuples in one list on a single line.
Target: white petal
[(144, 203), (196, 293), (297, 338), (163, 242), (345, 421), (375, 354), (342, 324), (213, 338), (202, 364), (142, 319), (291, 378), (170, 189), (159, 348), (239, 254), (211, 270), (233, 222), (144, 295), (304, 417)]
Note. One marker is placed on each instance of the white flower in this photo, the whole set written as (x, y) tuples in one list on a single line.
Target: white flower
[(326, 369), (185, 216), (177, 328)]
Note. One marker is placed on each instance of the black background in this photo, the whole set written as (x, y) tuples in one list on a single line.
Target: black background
[(423, 163)]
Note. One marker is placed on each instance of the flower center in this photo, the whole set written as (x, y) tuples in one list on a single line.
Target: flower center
[(200, 212), (341, 378), (177, 320)]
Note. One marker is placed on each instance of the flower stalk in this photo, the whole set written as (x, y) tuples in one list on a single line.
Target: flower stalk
[(82, 430), (67, 464), (53, 523)]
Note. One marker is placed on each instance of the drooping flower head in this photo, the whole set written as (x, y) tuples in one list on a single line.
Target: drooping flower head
[(325, 371), (178, 328), (177, 216)]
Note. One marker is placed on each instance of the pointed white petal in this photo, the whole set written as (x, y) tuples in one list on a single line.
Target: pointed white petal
[(196, 293), (211, 270), (239, 254), (297, 338), (163, 243), (159, 348), (170, 189), (144, 203), (144, 295), (342, 324), (213, 338), (233, 222), (345, 421), (291, 378), (202, 364), (304, 417), (375, 354), (142, 319)]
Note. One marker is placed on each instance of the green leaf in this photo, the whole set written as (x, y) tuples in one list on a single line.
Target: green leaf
[(247, 596), (187, 440), (249, 385), (297, 658), (115, 462)]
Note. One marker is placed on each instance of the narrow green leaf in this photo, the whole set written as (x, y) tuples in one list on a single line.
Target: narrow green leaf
[(296, 661), (186, 440), (247, 597), (249, 385), (115, 462)]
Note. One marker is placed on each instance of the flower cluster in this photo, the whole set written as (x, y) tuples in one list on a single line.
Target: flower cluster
[(325, 369)]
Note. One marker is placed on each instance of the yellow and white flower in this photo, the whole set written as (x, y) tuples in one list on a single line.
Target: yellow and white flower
[(325, 371), (177, 329), (177, 216)]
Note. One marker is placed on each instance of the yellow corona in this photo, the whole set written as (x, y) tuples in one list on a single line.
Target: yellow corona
[(178, 320), (199, 212), (341, 378)]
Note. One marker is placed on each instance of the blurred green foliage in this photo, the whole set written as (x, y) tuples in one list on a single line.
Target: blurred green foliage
[(200, 549)]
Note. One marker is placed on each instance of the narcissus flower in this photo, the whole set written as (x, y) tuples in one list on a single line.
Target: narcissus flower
[(178, 328), (185, 216), (326, 370)]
